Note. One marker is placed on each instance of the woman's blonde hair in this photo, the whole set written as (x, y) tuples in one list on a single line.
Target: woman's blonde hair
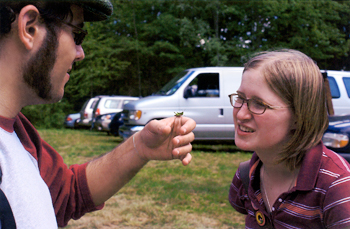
[(296, 78)]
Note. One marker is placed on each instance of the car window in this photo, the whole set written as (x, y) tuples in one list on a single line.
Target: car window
[(93, 104), (205, 85), (112, 103), (83, 107), (127, 101), (346, 81), (334, 87)]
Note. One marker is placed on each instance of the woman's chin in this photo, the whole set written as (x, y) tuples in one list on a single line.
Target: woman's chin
[(243, 145)]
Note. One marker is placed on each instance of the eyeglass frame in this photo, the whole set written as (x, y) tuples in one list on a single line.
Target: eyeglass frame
[(247, 101), (81, 31)]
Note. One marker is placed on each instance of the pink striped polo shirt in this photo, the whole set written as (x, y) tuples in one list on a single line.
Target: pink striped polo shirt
[(320, 199)]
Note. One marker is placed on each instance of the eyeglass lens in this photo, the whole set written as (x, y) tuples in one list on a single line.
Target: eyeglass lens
[(254, 106), (79, 37), (79, 33)]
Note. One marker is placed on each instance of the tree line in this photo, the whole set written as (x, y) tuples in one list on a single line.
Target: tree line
[(145, 43)]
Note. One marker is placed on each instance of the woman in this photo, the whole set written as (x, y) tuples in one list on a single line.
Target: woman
[(280, 114)]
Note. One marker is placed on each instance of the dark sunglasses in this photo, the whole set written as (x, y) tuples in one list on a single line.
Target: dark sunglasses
[(79, 33)]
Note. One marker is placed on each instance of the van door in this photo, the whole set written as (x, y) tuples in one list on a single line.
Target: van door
[(202, 102), (231, 80)]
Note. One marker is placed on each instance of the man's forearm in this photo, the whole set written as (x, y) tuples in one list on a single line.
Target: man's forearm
[(159, 140), (109, 173)]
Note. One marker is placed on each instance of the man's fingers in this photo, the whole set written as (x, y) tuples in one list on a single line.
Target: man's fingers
[(187, 125), (187, 159), (182, 151), (183, 140)]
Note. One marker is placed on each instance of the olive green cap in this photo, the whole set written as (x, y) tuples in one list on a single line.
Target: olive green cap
[(94, 10)]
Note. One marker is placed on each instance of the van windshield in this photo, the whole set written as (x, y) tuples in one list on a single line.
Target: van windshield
[(174, 84)]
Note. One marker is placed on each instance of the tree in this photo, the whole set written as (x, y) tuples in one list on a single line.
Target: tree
[(313, 27), (145, 43)]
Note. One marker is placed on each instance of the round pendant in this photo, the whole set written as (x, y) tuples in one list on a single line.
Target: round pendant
[(260, 218)]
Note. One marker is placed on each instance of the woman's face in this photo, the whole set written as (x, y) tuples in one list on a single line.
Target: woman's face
[(265, 133)]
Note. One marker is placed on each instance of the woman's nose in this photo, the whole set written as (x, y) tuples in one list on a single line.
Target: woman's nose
[(243, 112)]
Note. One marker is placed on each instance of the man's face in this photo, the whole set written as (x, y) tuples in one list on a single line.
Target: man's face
[(37, 72), (47, 71)]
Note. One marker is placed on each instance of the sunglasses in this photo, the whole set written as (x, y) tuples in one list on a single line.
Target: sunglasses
[(79, 33)]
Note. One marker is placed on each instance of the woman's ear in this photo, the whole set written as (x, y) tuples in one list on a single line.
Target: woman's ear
[(28, 26)]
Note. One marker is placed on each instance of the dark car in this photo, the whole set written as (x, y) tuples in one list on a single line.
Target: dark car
[(101, 122), (115, 123), (337, 135)]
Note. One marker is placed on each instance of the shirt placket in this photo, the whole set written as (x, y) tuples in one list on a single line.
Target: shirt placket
[(257, 201)]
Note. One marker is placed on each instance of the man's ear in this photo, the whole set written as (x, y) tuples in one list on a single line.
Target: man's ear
[(28, 25)]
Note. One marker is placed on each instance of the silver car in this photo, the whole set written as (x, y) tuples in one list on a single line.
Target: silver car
[(86, 112), (105, 107)]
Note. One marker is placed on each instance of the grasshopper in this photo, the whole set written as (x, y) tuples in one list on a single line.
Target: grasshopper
[(179, 114)]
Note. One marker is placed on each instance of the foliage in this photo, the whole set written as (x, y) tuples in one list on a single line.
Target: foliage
[(145, 43), (47, 115)]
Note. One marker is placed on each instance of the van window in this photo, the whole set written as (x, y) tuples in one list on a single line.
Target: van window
[(205, 85), (346, 81), (112, 103), (334, 87)]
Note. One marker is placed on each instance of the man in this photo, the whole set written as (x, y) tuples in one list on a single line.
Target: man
[(39, 42)]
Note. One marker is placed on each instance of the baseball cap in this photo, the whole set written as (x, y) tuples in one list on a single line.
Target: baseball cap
[(94, 10)]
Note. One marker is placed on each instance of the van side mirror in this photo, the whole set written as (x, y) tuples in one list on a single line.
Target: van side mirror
[(188, 92)]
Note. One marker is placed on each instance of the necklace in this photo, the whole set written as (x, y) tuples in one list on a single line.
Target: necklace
[(269, 208), (265, 193)]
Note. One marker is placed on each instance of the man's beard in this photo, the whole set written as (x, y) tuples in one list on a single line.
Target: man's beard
[(37, 71)]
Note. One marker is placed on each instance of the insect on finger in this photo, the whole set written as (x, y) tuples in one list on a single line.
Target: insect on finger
[(179, 114)]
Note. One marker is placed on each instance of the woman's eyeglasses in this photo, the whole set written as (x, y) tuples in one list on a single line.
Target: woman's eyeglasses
[(255, 106)]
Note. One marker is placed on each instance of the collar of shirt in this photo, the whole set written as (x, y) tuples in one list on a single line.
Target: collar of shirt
[(7, 124), (309, 169), (307, 177)]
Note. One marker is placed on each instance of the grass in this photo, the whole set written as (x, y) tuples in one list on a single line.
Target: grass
[(162, 194)]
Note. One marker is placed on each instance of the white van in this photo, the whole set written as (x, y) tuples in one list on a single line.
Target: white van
[(339, 83), (202, 94)]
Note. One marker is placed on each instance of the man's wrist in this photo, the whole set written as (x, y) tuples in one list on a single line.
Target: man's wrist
[(136, 150)]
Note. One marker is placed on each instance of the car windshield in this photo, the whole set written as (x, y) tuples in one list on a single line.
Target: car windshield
[(174, 84)]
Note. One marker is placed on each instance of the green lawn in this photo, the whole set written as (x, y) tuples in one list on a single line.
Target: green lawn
[(163, 194)]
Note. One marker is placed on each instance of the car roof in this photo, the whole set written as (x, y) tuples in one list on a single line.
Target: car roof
[(206, 69), (120, 97), (336, 73)]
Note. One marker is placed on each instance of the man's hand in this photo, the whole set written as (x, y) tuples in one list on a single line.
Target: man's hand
[(160, 140), (166, 139)]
